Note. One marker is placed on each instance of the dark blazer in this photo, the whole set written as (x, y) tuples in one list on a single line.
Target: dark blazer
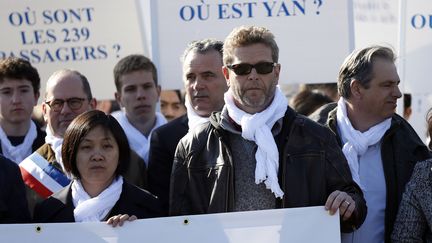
[(133, 201), (163, 144), (13, 202)]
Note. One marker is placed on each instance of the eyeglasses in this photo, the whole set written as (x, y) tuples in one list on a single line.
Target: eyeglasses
[(246, 68), (73, 103)]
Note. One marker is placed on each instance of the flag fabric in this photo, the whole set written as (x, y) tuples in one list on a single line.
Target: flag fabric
[(42, 176)]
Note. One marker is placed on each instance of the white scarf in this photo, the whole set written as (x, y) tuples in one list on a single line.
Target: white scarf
[(97, 208), (257, 128), (357, 142), (193, 118), (138, 141), (56, 146), (20, 152)]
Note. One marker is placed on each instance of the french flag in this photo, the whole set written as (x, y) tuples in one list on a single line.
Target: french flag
[(42, 176)]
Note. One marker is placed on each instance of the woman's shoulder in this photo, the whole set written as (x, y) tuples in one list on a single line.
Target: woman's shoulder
[(423, 168), (421, 176), (56, 208), (140, 198)]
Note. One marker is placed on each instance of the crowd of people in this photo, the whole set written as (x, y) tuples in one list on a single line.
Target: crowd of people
[(232, 142)]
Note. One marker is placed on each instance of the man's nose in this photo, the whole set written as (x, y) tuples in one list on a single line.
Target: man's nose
[(141, 93), (65, 108), (198, 84), (397, 92), (16, 97), (253, 74)]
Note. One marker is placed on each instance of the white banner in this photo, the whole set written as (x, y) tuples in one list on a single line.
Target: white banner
[(376, 22), (308, 225), (86, 35), (314, 36)]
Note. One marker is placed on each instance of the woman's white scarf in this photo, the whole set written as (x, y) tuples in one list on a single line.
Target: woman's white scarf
[(20, 152), (95, 209), (193, 118), (257, 128), (357, 142), (138, 141), (56, 146)]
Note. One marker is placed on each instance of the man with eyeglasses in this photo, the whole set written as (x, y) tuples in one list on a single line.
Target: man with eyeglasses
[(257, 153), (68, 95)]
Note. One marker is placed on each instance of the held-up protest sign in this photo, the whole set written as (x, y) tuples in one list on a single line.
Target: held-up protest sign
[(314, 36), (89, 36)]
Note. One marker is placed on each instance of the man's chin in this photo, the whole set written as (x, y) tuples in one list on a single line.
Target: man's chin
[(62, 130), (202, 112)]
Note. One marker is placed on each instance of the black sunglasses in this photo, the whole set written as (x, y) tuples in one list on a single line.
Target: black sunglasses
[(246, 68)]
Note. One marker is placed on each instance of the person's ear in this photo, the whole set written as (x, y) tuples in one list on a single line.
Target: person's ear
[(117, 96), (277, 69), (36, 96), (225, 72), (93, 103), (45, 112), (158, 89), (356, 88)]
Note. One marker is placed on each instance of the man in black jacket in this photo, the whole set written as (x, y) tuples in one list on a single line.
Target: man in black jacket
[(258, 153), (205, 85), (380, 146)]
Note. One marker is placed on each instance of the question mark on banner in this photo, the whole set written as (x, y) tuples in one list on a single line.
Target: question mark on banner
[(318, 3), (116, 48)]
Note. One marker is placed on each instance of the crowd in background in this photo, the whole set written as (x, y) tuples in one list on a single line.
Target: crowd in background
[(231, 141)]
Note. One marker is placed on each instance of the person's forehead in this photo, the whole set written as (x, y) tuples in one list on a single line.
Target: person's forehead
[(14, 82), (253, 52), (384, 70), (99, 133), (66, 86), (138, 77), (169, 96), (209, 58)]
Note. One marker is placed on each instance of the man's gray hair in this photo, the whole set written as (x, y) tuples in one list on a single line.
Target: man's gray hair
[(358, 66), (202, 47)]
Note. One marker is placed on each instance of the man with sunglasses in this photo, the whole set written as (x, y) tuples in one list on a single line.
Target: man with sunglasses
[(257, 153)]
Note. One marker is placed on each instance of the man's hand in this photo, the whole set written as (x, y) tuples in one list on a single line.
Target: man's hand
[(120, 219), (343, 202)]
